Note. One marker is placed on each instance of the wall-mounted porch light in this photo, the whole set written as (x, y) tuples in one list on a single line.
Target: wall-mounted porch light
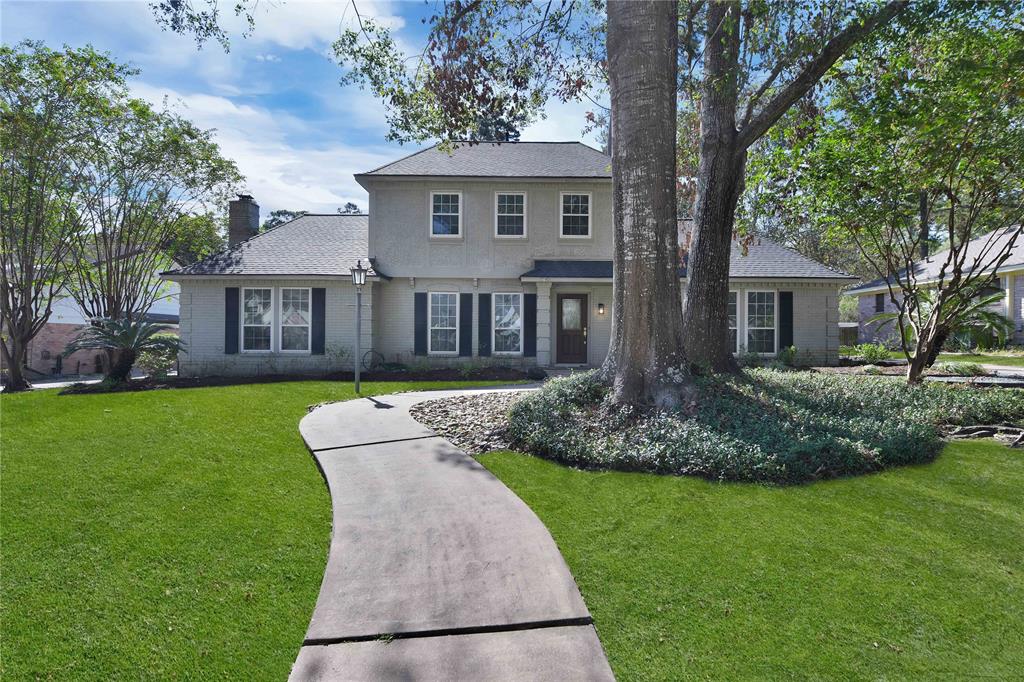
[(600, 308)]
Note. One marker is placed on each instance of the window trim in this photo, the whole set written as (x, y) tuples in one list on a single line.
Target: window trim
[(590, 215), (242, 325), (739, 317), (281, 325), (494, 309), (430, 326), (775, 317), (430, 214), (521, 193)]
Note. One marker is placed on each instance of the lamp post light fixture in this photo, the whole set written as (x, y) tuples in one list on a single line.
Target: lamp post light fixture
[(358, 280)]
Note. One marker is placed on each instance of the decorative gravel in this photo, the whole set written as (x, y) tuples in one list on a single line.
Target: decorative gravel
[(474, 423)]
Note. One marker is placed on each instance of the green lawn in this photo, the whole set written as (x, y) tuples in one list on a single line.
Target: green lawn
[(162, 534), (1006, 360), (915, 573)]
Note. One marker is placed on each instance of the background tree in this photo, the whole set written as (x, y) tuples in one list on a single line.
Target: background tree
[(50, 105), (350, 208), (925, 125), (279, 217), (148, 171)]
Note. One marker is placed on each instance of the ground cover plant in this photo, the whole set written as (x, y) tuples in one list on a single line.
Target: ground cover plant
[(914, 573), (167, 534), (763, 425)]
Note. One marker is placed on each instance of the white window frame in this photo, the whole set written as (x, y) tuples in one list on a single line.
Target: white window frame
[(243, 325), (430, 214), (430, 323), (498, 194), (561, 215), (775, 317), (281, 325), (739, 317), (494, 309)]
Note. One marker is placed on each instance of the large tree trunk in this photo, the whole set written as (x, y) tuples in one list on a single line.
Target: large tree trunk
[(646, 312), (719, 184)]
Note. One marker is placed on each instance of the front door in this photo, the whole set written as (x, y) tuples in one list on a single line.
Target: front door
[(571, 345)]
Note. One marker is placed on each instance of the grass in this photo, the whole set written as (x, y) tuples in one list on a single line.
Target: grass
[(914, 573), (162, 534), (1004, 360)]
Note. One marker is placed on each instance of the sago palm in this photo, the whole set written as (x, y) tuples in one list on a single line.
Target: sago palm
[(124, 340), (976, 321)]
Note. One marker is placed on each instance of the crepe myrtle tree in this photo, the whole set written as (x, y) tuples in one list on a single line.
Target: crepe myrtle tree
[(744, 64), (51, 103), (924, 139), (151, 176)]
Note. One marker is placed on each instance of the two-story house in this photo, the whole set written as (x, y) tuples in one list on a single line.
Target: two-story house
[(495, 251)]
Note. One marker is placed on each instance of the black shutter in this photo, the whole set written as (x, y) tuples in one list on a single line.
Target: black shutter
[(484, 325), (530, 325), (318, 329), (420, 323), (231, 328), (785, 319), (466, 325)]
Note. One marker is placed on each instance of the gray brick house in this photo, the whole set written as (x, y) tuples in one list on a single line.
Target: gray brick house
[(495, 253), (873, 297)]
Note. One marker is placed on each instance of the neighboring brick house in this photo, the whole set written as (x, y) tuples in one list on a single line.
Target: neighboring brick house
[(497, 252), (873, 297)]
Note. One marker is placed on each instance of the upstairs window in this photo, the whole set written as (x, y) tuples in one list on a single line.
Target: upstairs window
[(761, 322), (295, 318), (879, 303), (734, 316), (510, 214), (445, 214), (575, 215), (444, 323), (257, 319), (508, 324)]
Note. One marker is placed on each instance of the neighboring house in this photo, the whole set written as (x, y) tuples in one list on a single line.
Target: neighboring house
[(496, 252), (873, 297)]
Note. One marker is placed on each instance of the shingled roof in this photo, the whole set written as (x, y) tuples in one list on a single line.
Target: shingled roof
[(764, 259), (502, 160), (928, 269), (313, 244)]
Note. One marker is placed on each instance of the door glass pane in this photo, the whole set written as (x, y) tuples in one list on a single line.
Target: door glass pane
[(571, 318)]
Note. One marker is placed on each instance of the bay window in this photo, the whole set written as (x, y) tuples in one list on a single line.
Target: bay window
[(444, 324), (507, 329)]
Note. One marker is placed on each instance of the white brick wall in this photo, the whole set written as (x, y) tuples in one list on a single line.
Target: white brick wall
[(202, 329)]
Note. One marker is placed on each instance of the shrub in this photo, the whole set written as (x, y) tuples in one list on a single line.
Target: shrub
[(768, 426), (787, 356), (160, 360), (871, 353), (962, 369)]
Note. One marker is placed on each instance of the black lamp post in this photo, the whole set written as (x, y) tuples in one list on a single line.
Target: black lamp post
[(358, 280)]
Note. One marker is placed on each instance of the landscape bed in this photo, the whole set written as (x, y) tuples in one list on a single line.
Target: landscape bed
[(762, 426)]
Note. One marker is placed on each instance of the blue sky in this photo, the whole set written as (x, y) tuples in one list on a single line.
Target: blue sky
[(274, 99)]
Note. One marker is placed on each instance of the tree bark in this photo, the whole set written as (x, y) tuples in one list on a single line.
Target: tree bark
[(647, 334), (719, 184), (121, 363), (14, 353)]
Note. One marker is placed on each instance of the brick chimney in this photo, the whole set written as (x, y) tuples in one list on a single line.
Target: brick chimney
[(243, 219)]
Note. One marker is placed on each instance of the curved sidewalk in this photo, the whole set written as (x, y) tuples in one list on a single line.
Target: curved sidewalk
[(436, 570)]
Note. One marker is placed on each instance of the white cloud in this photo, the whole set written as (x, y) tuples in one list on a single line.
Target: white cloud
[(272, 58), (278, 174), (564, 121)]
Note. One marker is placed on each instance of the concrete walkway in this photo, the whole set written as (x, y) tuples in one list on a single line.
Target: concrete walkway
[(436, 570)]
